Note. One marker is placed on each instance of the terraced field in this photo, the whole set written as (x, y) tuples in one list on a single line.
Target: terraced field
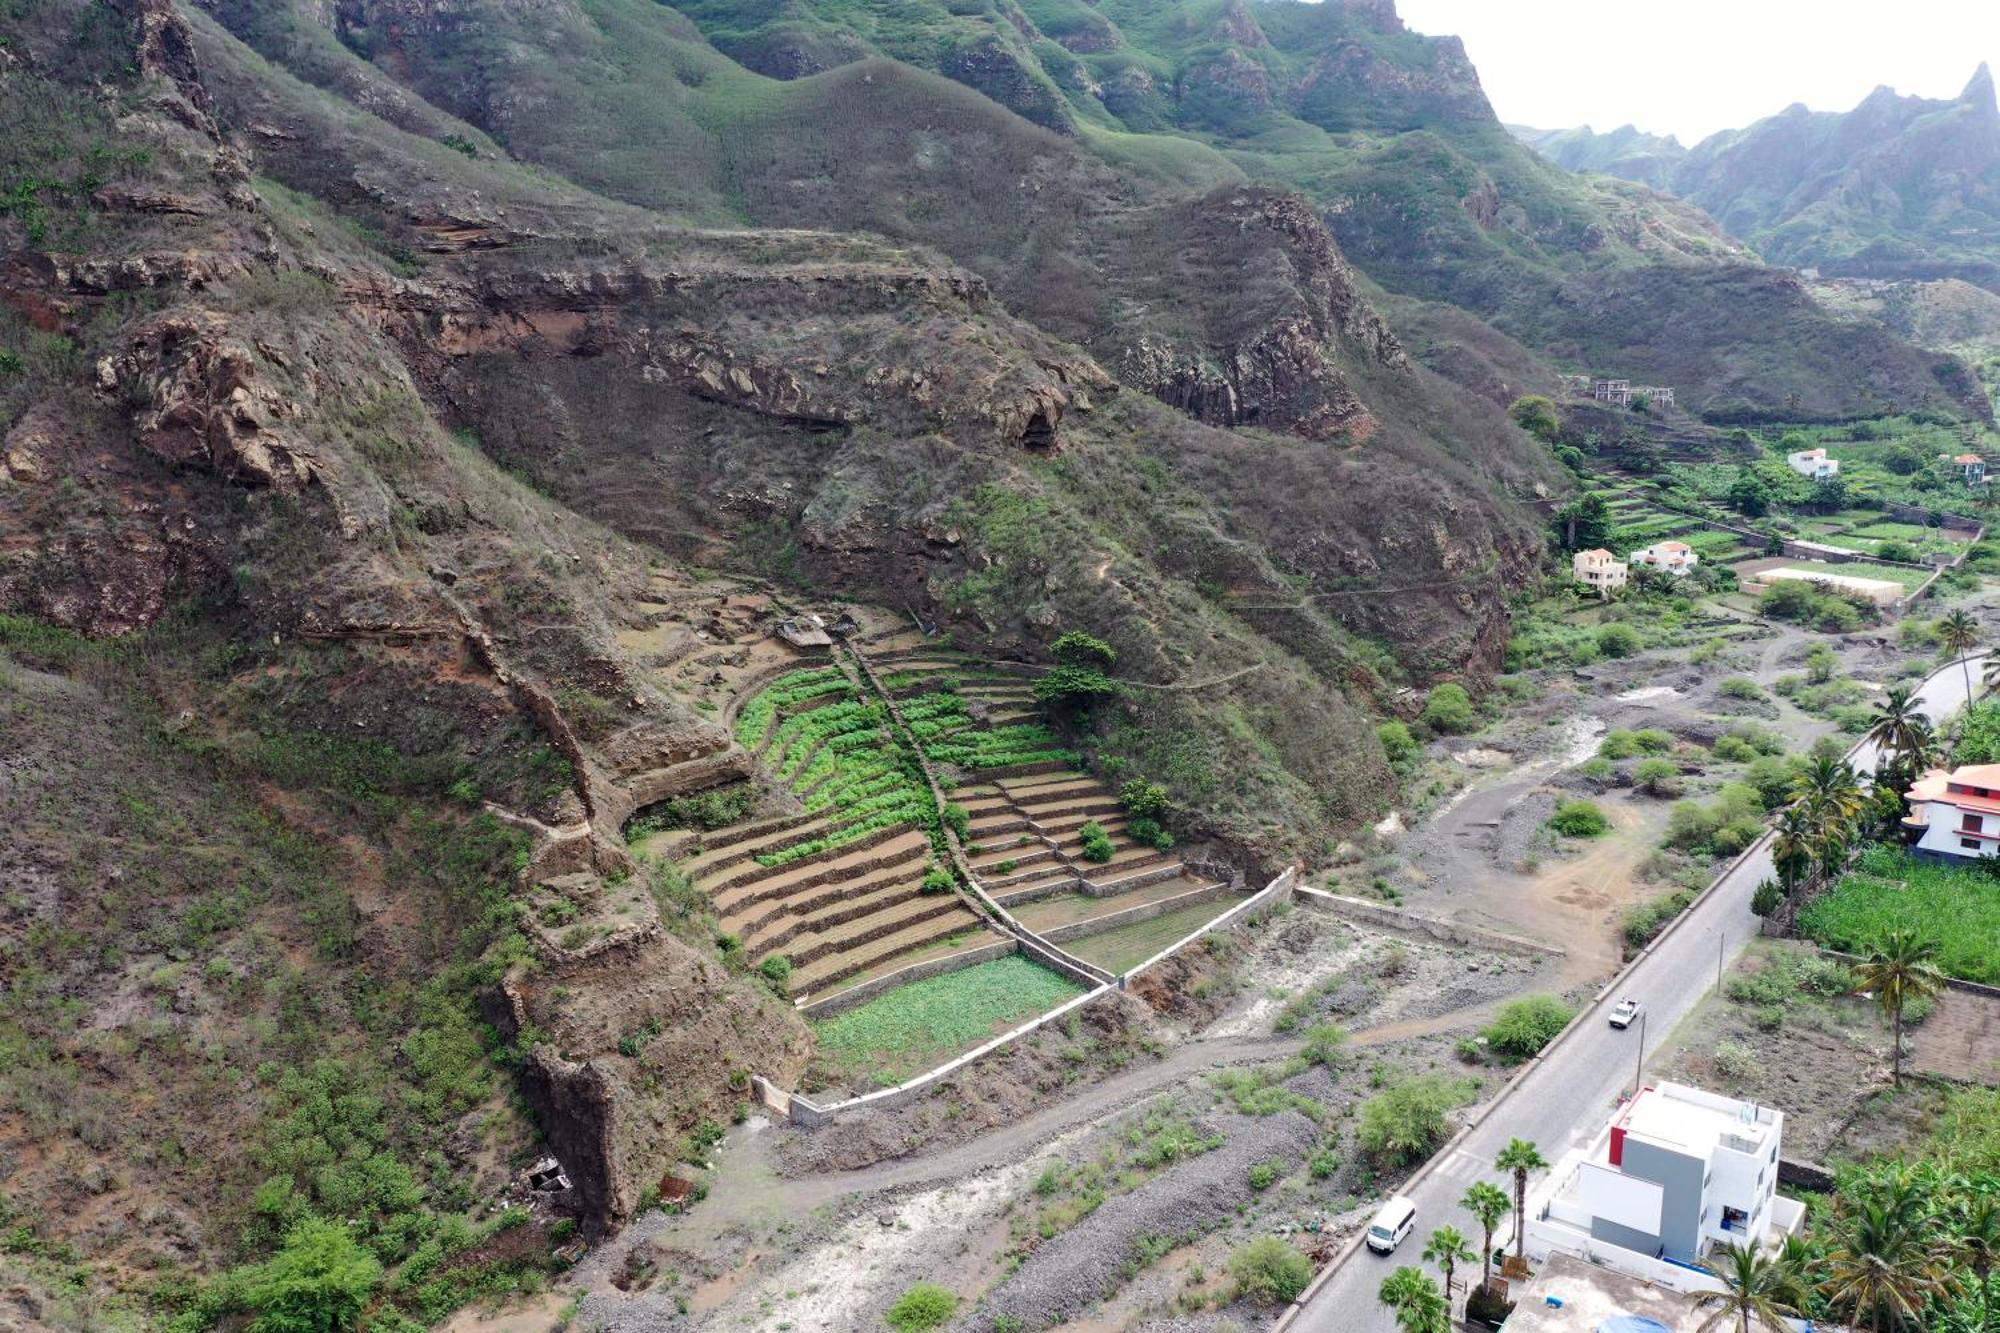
[(1637, 523)]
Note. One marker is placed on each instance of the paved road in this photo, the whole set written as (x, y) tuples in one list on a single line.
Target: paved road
[(1563, 1100)]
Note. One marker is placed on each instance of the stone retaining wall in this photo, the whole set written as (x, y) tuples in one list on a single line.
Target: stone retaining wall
[(1410, 923), (1259, 905), (930, 967)]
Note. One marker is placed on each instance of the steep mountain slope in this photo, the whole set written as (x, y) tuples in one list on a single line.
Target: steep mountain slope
[(338, 447), (1899, 187), (1627, 152)]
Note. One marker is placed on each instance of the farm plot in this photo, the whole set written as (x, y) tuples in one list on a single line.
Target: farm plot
[(922, 1024), (1957, 908)]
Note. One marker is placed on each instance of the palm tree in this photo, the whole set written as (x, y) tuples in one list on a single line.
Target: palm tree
[(1448, 1249), (1756, 1294), (1520, 1157), (1487, 1203), (1902, 968), (1832, 798), (1792, 847), (1882, 1267), (1419, 1306), (1959, 633), (1900, 730)]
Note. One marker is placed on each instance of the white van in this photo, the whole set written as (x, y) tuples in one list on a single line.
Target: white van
[(1397, 1219)]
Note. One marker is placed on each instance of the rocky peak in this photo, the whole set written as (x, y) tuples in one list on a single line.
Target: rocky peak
[(1979, 92)]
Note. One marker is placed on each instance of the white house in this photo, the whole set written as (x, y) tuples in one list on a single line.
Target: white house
[(1676, 558), (1813, 463), (1600, 570), (1676, 1173), (1971, 467), (1956, 814)]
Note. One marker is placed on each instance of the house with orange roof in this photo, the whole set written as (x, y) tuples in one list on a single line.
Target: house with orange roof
[(1599, 570), (1955, 814), (1971, 467), (1676, 558)]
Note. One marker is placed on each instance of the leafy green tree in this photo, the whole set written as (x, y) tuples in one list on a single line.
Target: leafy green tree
[(1519, 1158), (1537, 415), (1820, 664), (1900, 969), (1750, 494), (1487, 1203), (1269, 1271), (318, 1283), (1583, 524), (1075, 648), (1755, 1293)]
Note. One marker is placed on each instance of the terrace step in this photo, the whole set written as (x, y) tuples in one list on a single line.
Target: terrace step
[(1028, 786), (826, 971), (1128, 862), (994, 884), (758, 918), (1030, 854), (1056, 826), (1053, 881), (1083, 806), (795, 935), (811, 946), (985, 826), (720, 855), (888, 846)]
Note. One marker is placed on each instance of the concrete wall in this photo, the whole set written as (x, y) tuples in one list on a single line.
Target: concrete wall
[(1076, 930), (1254, 908), (1410, 923), (1680, 1176)]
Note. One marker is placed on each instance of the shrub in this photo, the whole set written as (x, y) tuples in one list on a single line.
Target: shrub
[(1623, 744), (1735, 1059), (1523, 1027), (777, 970), (1766, 899), (1616, 640), (1143, 799), (1733, 750), (1097, 846), (1075, 648), (1406, 1124), (957, 820), (1263, 1175), (1326, 1044), (938, 880), (1579, 819), (1149, 832), (1741, 687), (1646, 920), (923, 1306), (1269, 1271), (1323, 1164), (1656, 777), (1449, 710), (1397, 742), (320, 1280)]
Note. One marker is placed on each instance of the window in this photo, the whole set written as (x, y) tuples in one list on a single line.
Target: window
[(1970, 844), (1971, 823)]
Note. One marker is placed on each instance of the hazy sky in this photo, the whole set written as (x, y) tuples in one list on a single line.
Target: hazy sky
[(1692, 67)]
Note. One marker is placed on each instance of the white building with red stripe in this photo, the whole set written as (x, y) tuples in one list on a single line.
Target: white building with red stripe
[(1956, 814)]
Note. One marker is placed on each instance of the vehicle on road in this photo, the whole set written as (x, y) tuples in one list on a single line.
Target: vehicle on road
[(1624, 1012), (1396, 1219)]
